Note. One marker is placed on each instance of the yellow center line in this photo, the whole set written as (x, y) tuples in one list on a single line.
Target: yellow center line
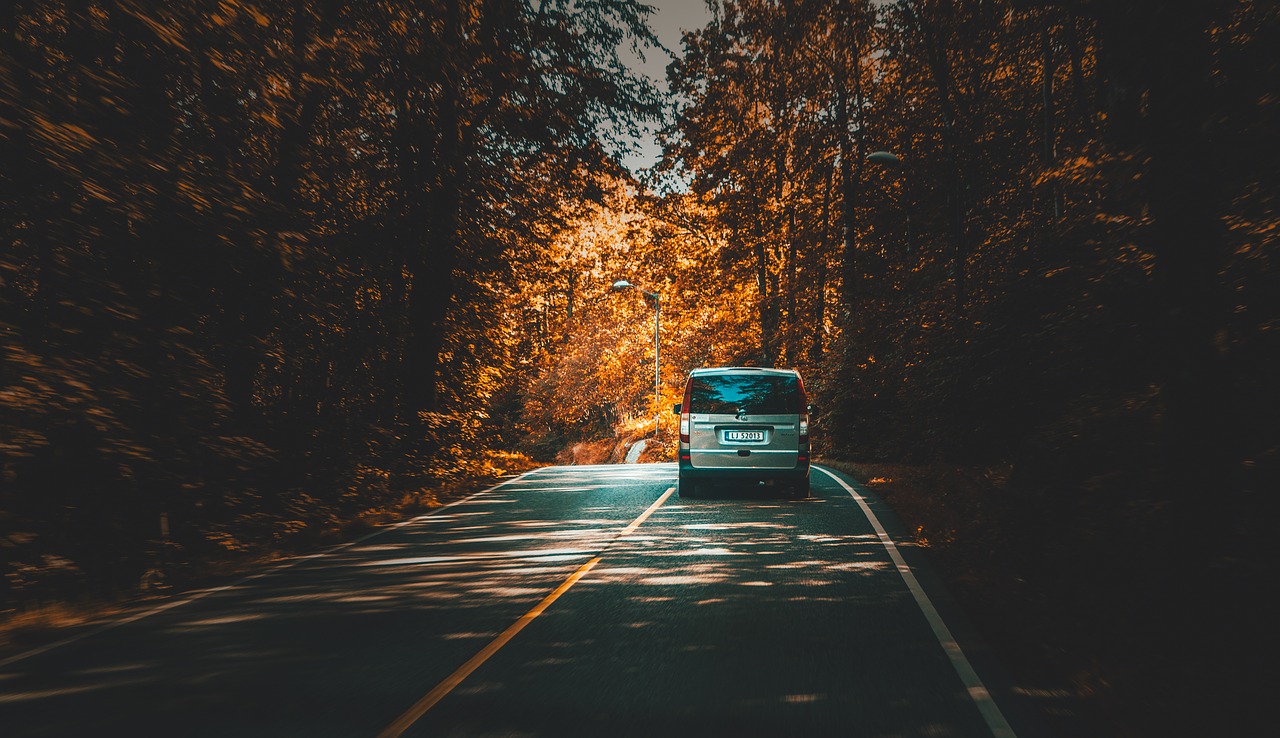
[(413, 714)]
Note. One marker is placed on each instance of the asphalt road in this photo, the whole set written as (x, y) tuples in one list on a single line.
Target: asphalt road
[(737, 615)]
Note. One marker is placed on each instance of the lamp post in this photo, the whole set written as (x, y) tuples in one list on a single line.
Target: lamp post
[(954, 189), (620, 286), (891, 161)]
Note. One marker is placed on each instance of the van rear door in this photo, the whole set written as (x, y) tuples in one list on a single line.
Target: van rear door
[(744, 419)]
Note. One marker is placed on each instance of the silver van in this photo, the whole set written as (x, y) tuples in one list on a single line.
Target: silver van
[(744, 425)]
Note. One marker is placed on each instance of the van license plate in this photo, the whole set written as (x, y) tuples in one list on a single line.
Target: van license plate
[(744, 435)]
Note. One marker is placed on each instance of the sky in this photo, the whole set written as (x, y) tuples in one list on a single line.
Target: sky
[(668, 20)]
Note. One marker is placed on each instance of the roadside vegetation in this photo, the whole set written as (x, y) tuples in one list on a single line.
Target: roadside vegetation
[(273, 271), (1070, 593)]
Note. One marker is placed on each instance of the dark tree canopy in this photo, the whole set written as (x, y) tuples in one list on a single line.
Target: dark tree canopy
[(269, 267)]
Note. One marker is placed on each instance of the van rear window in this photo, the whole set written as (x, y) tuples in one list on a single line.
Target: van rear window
[(754, 394)]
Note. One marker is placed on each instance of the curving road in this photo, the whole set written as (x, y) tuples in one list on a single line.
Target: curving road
[(581, 601)]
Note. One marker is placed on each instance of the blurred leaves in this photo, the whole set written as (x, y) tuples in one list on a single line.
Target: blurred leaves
[(253, 252)]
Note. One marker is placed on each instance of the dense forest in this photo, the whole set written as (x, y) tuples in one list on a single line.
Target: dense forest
[(268, 267)]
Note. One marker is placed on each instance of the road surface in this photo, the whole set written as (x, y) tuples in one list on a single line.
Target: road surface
[(571, 601)]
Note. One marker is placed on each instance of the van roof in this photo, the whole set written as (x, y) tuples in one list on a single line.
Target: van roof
[(743, 369)]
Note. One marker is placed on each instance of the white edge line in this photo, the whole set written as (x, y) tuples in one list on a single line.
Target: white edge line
[(995, 719), (265, 572)]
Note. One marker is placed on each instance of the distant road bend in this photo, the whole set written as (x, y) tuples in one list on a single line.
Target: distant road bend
[(584, 601)]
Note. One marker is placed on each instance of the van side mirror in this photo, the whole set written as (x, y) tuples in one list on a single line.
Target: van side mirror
[(813, 411), (676, 408)]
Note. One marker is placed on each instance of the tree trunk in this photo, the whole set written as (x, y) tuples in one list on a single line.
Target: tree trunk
[(1188, 239), (432, 260), (848, 196), (1049, 143), (816, 348), (767, 299)]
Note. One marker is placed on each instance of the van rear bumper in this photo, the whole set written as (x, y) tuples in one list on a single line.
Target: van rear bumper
[(793, 474)]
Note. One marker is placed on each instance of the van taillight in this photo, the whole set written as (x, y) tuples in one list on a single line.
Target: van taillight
[(684, 411), (804, 411)]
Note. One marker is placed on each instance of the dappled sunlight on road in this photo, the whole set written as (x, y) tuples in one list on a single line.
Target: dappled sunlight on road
[(734, 598), (726, 608), (738, 543), (483, 561), (10, 697)]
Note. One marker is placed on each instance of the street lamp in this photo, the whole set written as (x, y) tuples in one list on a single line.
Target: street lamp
[(891, 161), (952, 187), (884, 157), (621, 286)]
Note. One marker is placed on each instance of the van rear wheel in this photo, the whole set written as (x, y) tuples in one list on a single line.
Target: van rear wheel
[(799, 490), (687, 488)]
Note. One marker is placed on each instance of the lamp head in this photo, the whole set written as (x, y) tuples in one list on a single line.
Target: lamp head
[(884, 157)]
